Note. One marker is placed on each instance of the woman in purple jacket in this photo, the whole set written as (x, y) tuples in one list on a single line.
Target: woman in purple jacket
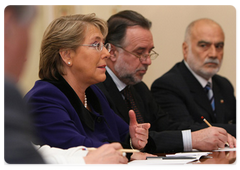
[(68, 109)]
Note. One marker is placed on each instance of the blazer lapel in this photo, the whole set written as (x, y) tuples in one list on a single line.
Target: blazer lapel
[(116, 98), (219, 103), (198, 93)]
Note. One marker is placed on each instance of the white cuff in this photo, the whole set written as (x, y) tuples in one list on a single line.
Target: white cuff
[(187, 140)]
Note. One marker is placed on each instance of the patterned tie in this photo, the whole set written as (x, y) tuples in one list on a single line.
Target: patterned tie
[(210, 95), (131, 103)]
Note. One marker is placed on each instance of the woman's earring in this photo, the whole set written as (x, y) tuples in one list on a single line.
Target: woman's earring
[(69, 63)]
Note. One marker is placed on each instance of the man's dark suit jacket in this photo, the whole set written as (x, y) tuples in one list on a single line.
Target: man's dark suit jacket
[(18, 129), (181, 95), (164, 135)]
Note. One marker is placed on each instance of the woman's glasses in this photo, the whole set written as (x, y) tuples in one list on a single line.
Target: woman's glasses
[(99, 46)]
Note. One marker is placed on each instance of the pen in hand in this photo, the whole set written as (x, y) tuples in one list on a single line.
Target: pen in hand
[(210, 126)]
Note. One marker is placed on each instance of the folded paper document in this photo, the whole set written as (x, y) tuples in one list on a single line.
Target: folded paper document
[(171, 159), (187, 155)]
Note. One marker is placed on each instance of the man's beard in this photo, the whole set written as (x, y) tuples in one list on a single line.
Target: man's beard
[(126, 77)]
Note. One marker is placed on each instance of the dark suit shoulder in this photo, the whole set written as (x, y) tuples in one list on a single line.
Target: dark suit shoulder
[(140, 86), (171, 78), (144, 93), (11, 90), (18, 128), (222, 81)]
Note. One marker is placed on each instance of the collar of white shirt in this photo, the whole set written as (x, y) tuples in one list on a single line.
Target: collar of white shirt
[(201, 80), (120, 85)]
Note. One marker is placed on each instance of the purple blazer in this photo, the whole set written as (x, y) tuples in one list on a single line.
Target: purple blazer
[(62, 121)]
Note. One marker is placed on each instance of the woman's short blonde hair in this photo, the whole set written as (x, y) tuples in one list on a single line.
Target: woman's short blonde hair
[(66, 32)]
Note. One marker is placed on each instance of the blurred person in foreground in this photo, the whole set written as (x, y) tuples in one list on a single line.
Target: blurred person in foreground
[(18, 128), (131, 53), (69, 110), (192, 88), (18, 131)]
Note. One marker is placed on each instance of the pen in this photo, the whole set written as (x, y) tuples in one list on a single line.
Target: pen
[(210, 126), (206, 121), (121, 150)]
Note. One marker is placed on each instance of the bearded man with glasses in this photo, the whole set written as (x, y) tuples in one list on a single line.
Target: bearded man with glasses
[(131, 53)]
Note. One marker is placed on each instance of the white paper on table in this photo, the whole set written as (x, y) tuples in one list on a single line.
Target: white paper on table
[(197, 155), (161, 162), (227, 148)]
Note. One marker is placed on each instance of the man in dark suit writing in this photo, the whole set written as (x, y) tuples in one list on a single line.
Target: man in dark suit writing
[(192, 88)]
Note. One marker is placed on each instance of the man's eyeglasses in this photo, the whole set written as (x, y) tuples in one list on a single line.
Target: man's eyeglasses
[(143, 57), (99, 46)]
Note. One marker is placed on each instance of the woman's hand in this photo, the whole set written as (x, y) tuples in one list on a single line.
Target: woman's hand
[(106, 154)]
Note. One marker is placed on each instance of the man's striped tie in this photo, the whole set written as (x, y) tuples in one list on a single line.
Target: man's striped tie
[(210, 95)]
